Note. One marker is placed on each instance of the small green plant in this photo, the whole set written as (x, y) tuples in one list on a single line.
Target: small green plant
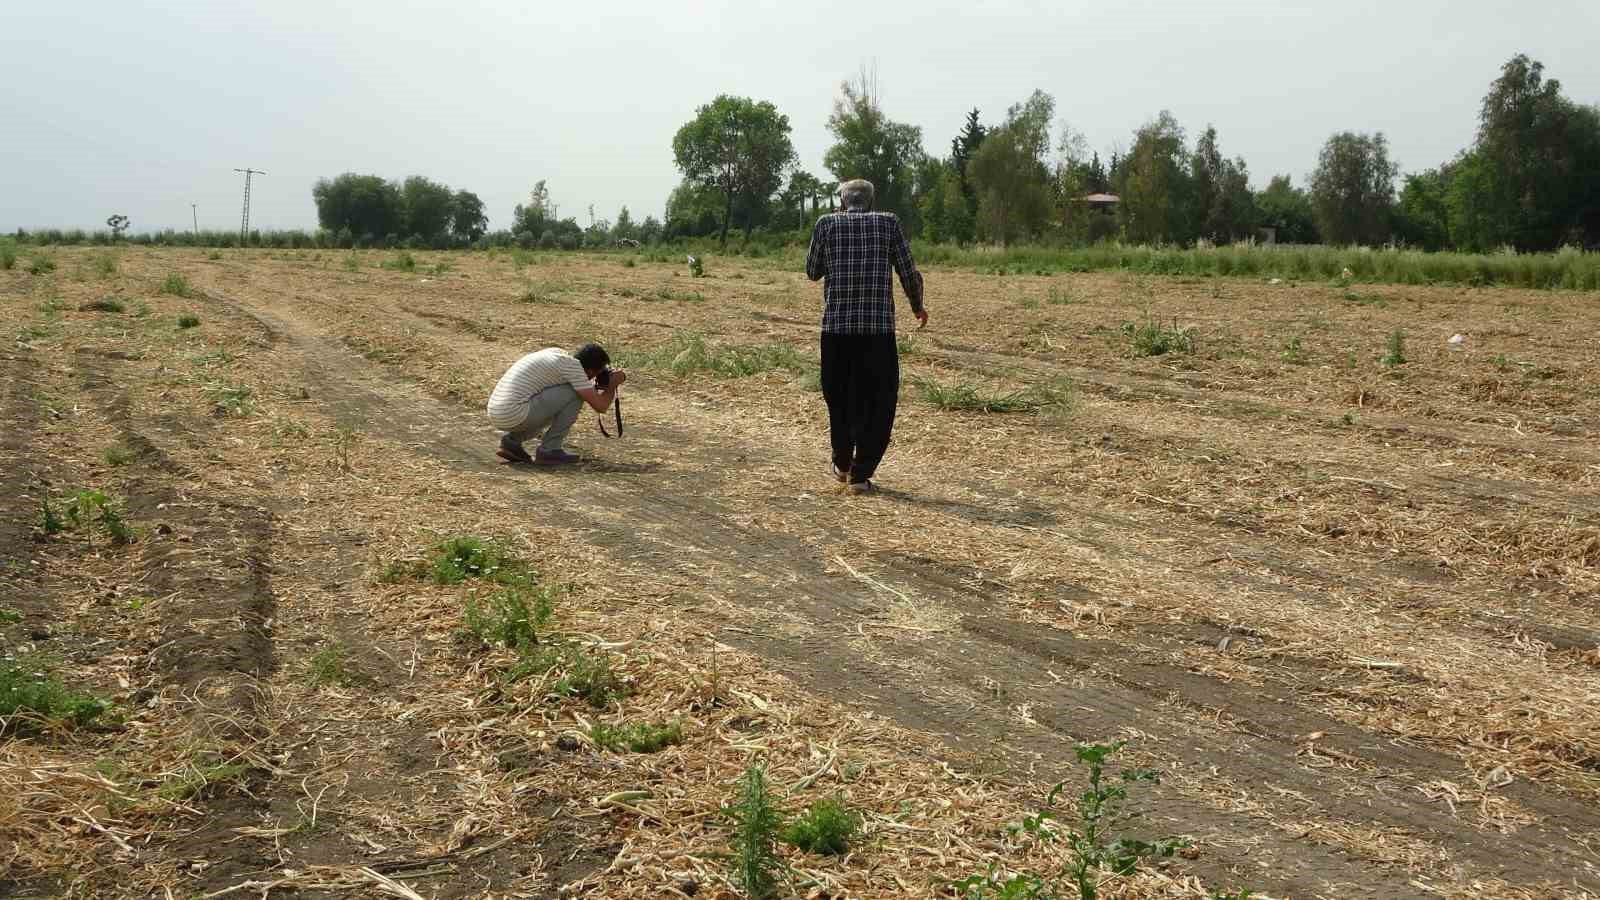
[(328, 666), (401, 262), (1366, 299), (1060, 295), (187, 322), (104, 264), (629, 263), (757, 823), (539, 295), (512, 617), (636, 737), (1395, 350), (906, 345), (1293, 353), (344, 437), (666, 293), (688, 353), (176, 285), (1092, 856), (105, 304), (827, 827), (8, 255), (92, 510), (1152, 338), (118, 455), (590, 678), (441, 267), (213, 255), (462, 557), (233, 399), (49, 522), (200, 781), (9, 616), (352, 262), (40, 264), (697, 267), (29, 691), (965, 397)]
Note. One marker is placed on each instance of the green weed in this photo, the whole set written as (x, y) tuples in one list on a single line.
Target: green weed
[(105, 304), (1293, 353), (636, 737), (590, 678), (629, 263), (92, 510), (827, 827), (213, 255), (1093, 855), (8, 255), (540, 295), (512, 617), (30, 692), (49, 522), (400, 262), (688, 353), (118, 455), (756, 825), (328, 666), (966, 397), (203, 781), (1366, 299), (41, 264), (460, 558), (9, 616), (344, 437), (176, 285), (186, 322), (352, 262), (1152, 338), (105, 264), (666, 293), (1395, 350), (233, 399)]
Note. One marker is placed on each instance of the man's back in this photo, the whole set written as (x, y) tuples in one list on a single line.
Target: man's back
[(856, 251)]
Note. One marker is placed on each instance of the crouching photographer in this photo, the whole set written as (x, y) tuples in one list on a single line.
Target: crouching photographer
[(542, 393)]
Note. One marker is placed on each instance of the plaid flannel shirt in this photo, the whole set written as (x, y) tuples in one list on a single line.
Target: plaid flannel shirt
[(854, 251)]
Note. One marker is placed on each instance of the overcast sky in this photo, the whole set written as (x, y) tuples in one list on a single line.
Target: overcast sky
[(145, 108)]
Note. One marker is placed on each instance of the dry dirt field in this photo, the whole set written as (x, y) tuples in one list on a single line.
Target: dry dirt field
[(1348, 608)]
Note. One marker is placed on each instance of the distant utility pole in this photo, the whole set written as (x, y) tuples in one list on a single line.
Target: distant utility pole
[(194, 209), (244, 220)]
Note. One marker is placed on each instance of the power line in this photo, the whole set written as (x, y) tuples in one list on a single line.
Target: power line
[(244, 219)]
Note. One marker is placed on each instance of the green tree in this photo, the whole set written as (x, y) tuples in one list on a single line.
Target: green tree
[(369, 207), (1540, 155), (1352, 189), (1010, 174), (738, 147), (1287, 209), (963, 147), (1422, 217), (624, 229), (1156, 187), (867, 144), (427, 208), (467, 219), (693, 210)]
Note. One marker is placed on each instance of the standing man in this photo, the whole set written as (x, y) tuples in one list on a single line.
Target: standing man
[(542, 392), (855, 251)]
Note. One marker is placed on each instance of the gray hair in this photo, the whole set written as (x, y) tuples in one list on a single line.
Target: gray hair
[(856, 193)]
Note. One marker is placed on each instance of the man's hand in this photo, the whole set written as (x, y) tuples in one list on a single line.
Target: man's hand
[(922, 316), (617, 378)]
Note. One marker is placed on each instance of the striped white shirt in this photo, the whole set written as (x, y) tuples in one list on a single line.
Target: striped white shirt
[(508, 404)]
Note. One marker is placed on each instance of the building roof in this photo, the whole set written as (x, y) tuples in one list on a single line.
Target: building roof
[(1101, 198)]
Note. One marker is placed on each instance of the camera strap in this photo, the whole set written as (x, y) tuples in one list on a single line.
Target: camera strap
[(616, 407)]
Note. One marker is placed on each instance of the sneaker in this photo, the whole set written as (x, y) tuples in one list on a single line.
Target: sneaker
[(513, 453), (861, 487), (840, 475), (554, 457)]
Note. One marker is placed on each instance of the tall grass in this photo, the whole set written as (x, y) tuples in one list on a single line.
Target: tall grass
[(1568, 268)]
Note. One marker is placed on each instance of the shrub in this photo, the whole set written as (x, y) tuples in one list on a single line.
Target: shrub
[(328, 666), (176, 285), (92, 510), (8, 255), (27, 692), (462, 557), (40, 264), (105, 264), (965, 397), (401, 262), (1152, 338), (188, 322), (508, 618), (106, 304), (637, 737), (688, 352), (756, 824), (1395, 351), (827, 827)]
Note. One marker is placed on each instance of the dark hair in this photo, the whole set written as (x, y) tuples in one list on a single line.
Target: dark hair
[(592, 356)]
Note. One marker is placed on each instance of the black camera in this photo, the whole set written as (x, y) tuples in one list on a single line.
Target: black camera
[(602, 378)]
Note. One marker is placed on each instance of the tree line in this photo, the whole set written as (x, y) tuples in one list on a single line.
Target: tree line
[(1531, 179)]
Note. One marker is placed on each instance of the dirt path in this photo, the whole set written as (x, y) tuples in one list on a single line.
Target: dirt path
[(1318, 807)]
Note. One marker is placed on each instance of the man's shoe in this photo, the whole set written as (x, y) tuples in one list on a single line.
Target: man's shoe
[(513, 453), (840, 475), (554, 457), (861, 487)]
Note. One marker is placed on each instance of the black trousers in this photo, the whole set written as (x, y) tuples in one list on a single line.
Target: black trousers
[(861, 384)]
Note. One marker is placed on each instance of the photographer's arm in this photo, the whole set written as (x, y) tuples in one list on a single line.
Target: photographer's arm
[(599, 399)]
